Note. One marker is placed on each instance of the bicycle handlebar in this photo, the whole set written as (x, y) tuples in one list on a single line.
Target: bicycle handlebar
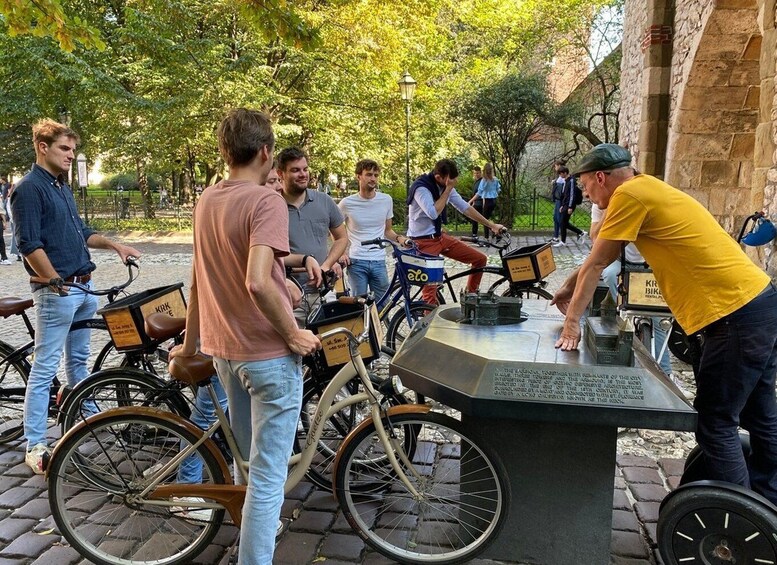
[(111, 292), (383, 242), (366, 303), (501, 242)]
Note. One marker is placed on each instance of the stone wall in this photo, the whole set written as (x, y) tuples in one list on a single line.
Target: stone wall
[(635, 21)]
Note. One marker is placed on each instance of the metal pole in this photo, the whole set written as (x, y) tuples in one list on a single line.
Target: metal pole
[(407, 160)]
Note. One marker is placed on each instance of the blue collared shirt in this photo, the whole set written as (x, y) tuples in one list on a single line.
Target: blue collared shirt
[(46, 217), (422, 212)]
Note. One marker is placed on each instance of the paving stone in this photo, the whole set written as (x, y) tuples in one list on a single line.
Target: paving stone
[(37, 508), (642, 475), (650, 528), (212, 554), (636, 461), (297, 548), (673, 482), (59, 555), (11, 457), (38, 482), (7, 483), (647, 511), (672, 467), (11, 528), (21, 470), (620, 501), (313, 521), (648, 493), (620, 483), (291, 509), (226, 536), (624, 520), (17, 497), (12, 561), (301, 491), (342, 546), (47, 523), (321, 500), (341, 525), (621, 560), (373, 558), (628, 544), (30, 545)]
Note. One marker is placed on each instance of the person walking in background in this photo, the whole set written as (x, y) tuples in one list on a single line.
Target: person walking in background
[(571, 197), (3, 257), (6, 219), (427, 200), (368, 216), (488, 191), (556, 190), (241, 311), (54, 240), (476, 201)]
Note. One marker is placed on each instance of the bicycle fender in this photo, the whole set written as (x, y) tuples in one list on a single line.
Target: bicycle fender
[(392, 411), (168, 417), (722, 485)]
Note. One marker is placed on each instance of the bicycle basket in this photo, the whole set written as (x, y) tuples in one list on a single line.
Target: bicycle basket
[(641, 290), (421, 269), (125, 318), (334, 350), (529, 264)]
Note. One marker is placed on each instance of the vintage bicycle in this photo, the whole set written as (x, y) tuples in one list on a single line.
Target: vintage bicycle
[(410, 482)]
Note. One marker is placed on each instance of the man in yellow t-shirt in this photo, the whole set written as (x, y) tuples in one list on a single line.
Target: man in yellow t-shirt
[(714, 292)]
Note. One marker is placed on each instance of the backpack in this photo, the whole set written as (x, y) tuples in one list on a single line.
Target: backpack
[(578, 198)]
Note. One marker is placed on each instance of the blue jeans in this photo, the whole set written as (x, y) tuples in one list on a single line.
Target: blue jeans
[(363, 274), (556, 218), (265, 398), (610, 278), (203, 415), (53, 316), (735, 364)]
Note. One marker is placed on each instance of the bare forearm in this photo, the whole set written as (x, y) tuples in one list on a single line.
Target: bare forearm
[(270, 301), (192, 335), (40, 263), (97, 241), (335, 252)]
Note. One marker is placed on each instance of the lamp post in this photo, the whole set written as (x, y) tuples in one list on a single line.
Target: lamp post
[(407, 89), (64, 119), (83, 181)]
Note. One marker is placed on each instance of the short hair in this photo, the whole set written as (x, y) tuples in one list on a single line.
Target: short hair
[(476, 168), (48, 131), (242, 134), (289, 155), (564, 170), (446, 168), (367, 165)]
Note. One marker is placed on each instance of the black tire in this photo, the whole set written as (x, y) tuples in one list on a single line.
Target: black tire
[(399, 327), (13, 384), (108, 358), (428, 529), (643, 330), (678, 343), (335, 429), (492, 279), (120, 387), (716, 526), (105, 520), (695, 466)]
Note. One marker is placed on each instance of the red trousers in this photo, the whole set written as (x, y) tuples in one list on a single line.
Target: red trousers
[(451, 247)]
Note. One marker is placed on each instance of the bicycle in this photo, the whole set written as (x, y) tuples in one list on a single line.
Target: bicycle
[(410, 482), (16, 362)]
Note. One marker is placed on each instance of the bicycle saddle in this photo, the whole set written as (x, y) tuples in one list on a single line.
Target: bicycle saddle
[(192, 370), (161, 326), (12, 305)]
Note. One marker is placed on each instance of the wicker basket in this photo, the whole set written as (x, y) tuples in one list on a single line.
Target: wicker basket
[(125, 318)]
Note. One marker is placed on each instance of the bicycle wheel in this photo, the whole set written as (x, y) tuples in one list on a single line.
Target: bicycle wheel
[(678, 343), (399, 326), (492, 278), (334, 429), (120, 387), (95, 479), (463, 492), (13, 383)]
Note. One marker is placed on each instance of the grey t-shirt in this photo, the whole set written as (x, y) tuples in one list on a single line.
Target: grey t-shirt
[(309, 227)]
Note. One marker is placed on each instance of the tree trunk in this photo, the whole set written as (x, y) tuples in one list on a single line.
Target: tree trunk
[(145, 191)]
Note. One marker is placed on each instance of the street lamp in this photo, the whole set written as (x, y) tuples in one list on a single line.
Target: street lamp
[(83, 181), (64, 119), (407, 90)]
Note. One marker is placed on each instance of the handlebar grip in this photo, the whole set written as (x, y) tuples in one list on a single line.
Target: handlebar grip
[(469, 238), (376, 241), (132, 261), (351, 300)]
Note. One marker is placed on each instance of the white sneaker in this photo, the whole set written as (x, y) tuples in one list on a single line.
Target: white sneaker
[(553, 240), (37, 458), (679, 384), (193, 514), (5, 262), (559, 244), (582, 235)]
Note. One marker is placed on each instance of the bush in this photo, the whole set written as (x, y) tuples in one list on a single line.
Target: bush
[(130, 182)]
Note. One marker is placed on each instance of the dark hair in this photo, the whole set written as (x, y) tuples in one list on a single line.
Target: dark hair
[(446, 168), (288, 155), (367, 165), (476, 168), (48, 131), (242, 134), (564, 170)]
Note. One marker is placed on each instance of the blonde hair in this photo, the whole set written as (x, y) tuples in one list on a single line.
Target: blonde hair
[(48, 131), (488, 171)]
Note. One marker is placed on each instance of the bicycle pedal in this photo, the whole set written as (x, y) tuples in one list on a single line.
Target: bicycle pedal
[(44, 461)]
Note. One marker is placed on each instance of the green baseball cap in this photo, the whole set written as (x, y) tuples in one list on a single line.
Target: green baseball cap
[(604, 157)]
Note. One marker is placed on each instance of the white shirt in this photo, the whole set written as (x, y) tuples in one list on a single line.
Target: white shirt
[(632, 253), (366, 219)]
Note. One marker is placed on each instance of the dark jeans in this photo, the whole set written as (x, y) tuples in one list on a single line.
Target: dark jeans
[(735, 364), (556, 219), (486, 207), (566, 224), (3, 256), (477, 205)]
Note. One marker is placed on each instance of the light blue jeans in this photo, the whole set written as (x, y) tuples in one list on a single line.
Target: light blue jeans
[(610, 278), (363, 274), (265, 398), (53, 316), (203, 415)]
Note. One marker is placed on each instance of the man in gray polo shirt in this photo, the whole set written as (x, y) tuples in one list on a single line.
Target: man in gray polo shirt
[(313, 217)]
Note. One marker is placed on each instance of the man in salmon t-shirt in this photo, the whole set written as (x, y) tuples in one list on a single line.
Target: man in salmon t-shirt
[(240, 309)]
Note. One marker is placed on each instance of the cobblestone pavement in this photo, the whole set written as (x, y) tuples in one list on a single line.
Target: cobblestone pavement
[(318, 532)]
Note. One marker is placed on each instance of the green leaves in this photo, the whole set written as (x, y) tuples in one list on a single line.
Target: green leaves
[(47, 18)]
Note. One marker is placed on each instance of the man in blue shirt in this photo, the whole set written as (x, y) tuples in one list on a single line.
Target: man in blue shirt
[(428, 197), (53, 240)]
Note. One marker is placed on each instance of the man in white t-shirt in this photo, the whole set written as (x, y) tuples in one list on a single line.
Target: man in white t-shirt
[(368, 216)]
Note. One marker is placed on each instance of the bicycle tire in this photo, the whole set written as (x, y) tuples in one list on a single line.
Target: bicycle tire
[(427, 529), (678, 343), (491, 276), (494, 280), (13, 383), (110, 358), (335, 429), (399, 328), (104, 520), (112, 388)]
